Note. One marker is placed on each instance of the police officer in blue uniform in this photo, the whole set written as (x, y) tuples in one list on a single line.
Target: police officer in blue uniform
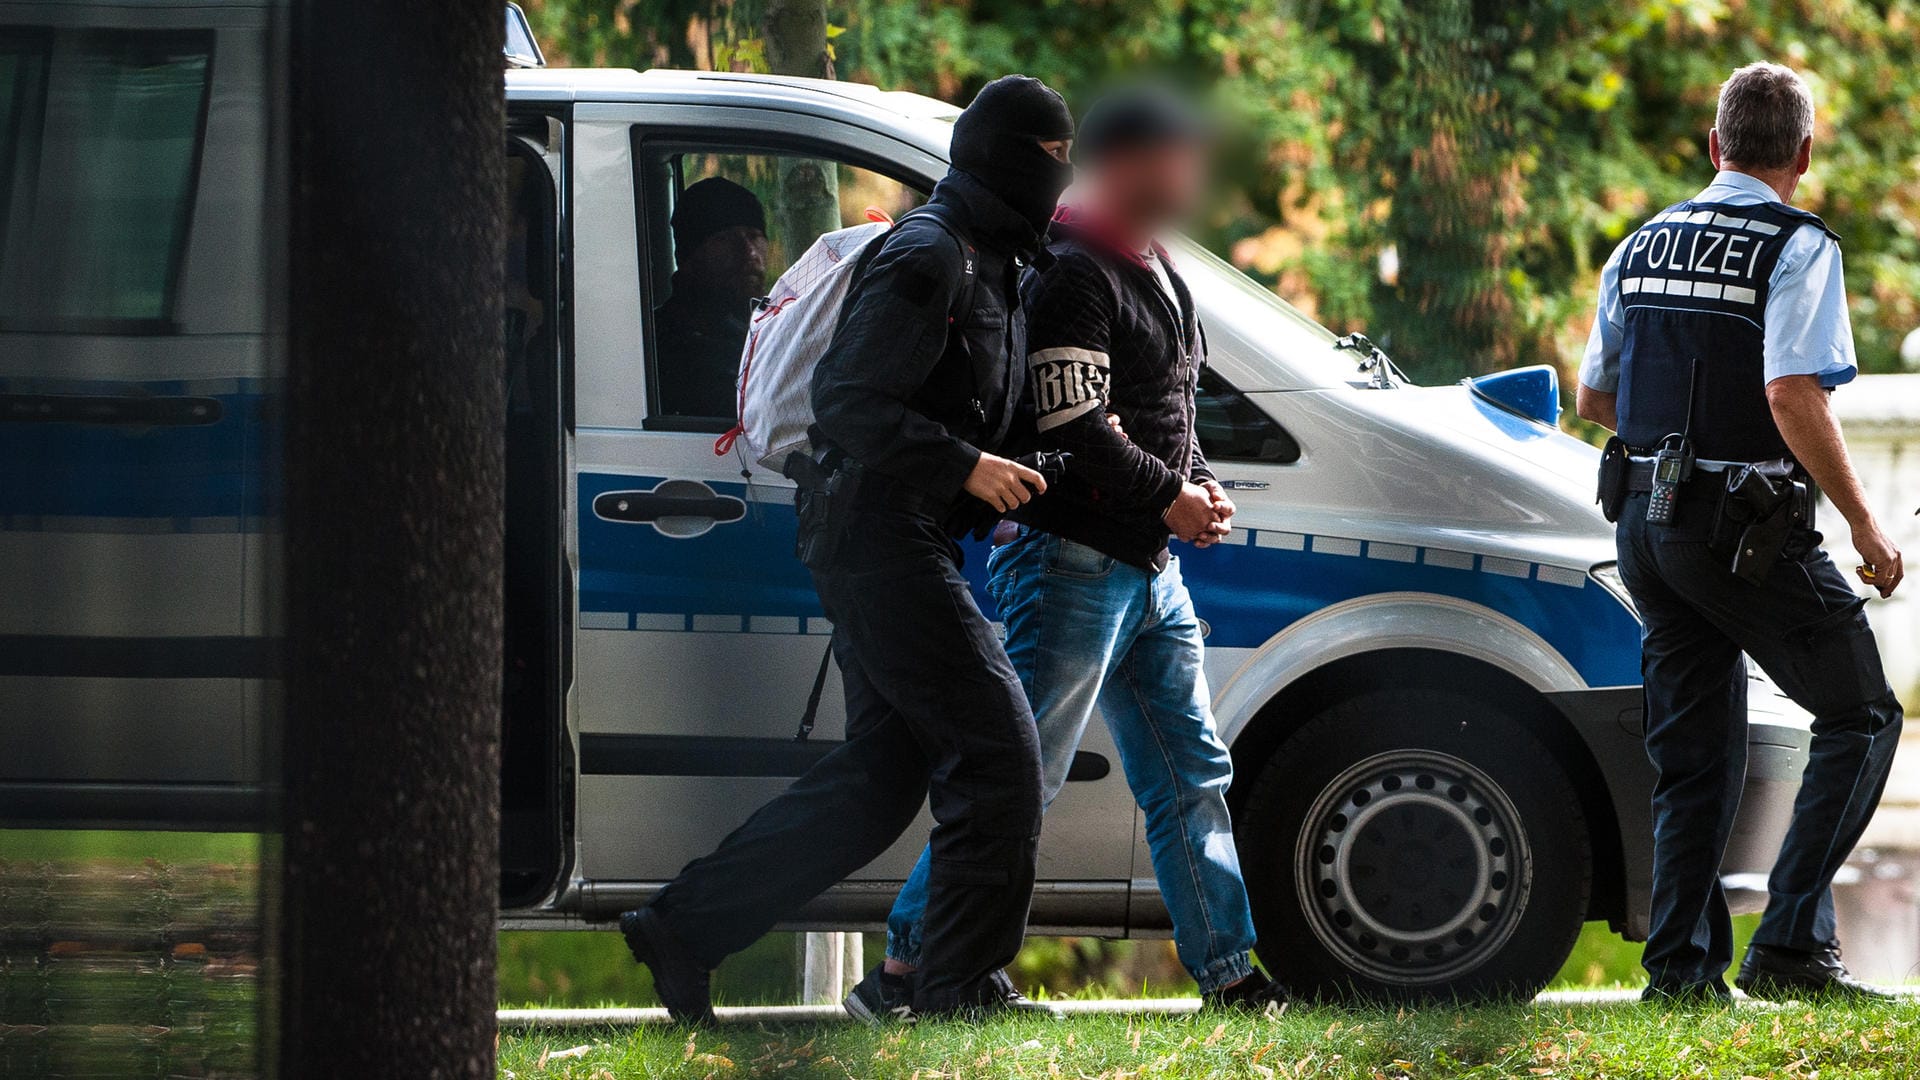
[(1722, 329)]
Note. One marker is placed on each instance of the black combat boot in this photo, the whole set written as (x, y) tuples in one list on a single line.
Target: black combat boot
[(683, 986), (1772, 973)]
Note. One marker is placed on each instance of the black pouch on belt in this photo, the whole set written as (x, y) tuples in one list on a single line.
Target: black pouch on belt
[(1759, 510), (1612, 493)]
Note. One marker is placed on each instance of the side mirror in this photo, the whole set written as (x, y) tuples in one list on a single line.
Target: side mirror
[(1532, 392), (522, 51)]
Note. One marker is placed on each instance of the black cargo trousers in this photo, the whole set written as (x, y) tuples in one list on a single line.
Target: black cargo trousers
[(1805, 627), (932, 706)]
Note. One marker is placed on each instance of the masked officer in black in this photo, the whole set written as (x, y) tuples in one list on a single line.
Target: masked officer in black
[(1722, 328), (919, 387)]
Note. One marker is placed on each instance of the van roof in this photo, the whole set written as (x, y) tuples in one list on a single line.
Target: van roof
[(715, 87)]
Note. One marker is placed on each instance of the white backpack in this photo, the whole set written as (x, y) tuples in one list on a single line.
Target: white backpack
[(790, 331)]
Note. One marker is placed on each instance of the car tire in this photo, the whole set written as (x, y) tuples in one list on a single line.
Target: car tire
[(1412, 845)]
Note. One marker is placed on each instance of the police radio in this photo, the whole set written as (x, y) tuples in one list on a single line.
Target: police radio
[(1671, 468), (1673, 464)]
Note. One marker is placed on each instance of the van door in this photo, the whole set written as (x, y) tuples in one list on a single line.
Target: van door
[(698, 635), (537, 604), (139, 451)]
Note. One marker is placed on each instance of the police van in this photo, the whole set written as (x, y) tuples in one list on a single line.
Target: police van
[(1420, 653)]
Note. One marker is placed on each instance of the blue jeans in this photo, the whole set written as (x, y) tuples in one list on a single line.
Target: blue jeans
[(1804, 626), (1082, 630)]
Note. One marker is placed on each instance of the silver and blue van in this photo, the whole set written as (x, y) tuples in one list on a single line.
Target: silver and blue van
[(1421, 655)]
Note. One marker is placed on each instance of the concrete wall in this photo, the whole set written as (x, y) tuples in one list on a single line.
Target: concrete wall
[(1881, 417), (1878, 903)]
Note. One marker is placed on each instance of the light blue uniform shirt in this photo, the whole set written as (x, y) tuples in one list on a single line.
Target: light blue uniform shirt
[(1807, 329)]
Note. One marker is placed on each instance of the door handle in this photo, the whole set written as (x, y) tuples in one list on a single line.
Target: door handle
[(123, 410), (681, 509)]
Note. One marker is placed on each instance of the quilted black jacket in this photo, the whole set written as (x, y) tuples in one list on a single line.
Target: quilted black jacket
[(1103, 337)]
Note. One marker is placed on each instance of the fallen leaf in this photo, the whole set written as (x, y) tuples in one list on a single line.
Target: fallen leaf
[(1219, 1032)]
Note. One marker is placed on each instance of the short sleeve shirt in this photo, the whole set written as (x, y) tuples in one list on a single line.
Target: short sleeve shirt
[(1807, 328)]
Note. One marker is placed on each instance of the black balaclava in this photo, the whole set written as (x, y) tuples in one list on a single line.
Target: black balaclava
[(997, 142)]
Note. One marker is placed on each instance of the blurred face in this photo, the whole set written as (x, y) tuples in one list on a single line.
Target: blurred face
[(1150, 189), (732, 261)]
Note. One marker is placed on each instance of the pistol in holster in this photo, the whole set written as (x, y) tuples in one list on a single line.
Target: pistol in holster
[(1764, 507), (822, 496)]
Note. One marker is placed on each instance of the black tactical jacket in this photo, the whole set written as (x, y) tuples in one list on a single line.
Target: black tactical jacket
[(899, 390)]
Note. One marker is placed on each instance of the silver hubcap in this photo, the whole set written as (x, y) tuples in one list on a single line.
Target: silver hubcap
[(1412, 867)]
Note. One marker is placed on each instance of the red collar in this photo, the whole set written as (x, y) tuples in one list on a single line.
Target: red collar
[(1090, 229)]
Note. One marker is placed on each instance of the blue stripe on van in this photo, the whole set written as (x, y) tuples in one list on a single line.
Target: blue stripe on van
[(742, 577), (218, 477)]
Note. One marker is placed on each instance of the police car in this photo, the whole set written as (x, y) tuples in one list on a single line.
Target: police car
[(1421, 656)]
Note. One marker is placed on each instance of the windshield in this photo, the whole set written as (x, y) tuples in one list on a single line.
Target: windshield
[(1273, 344)]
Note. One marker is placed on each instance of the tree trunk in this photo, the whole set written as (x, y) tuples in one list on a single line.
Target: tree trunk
[(795, 32), (393, 516), (806, 198)]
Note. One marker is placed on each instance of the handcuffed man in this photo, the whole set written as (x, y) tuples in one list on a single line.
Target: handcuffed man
[(1095, 609)]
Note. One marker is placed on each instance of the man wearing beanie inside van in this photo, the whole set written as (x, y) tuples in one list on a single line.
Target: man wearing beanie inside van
[(720, 252), (913, 401)]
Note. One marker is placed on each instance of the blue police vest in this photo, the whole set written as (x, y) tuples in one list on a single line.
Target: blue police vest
[(1694, 284)]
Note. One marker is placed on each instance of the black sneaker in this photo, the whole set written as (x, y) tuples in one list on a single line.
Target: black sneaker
[(682, 985), (1772, 973), (880, 998), (1256, 993), (1688, 995), (993, 997), (1004, 997)]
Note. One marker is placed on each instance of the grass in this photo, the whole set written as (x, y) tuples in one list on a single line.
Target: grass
[(1614, 1042), (142, 960), (129, 954)]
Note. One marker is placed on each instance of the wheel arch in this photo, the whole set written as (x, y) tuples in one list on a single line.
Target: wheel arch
[(1343, 656)]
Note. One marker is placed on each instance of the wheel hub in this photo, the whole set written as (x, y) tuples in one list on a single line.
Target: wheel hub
[(1412, 867)]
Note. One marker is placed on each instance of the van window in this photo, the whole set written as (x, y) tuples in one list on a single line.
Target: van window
[(23, 67), (102, 133), (1232, 428), (719, 226)]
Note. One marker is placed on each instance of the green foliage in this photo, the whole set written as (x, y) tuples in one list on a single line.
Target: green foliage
[(1447, 174), (590, 968), (582, 969)]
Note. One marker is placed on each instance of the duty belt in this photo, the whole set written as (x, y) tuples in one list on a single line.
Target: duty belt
[(1640, 469)]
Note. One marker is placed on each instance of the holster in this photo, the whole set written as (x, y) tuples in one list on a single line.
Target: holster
[(1760, 510), (1612, 491), (822, 498)]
